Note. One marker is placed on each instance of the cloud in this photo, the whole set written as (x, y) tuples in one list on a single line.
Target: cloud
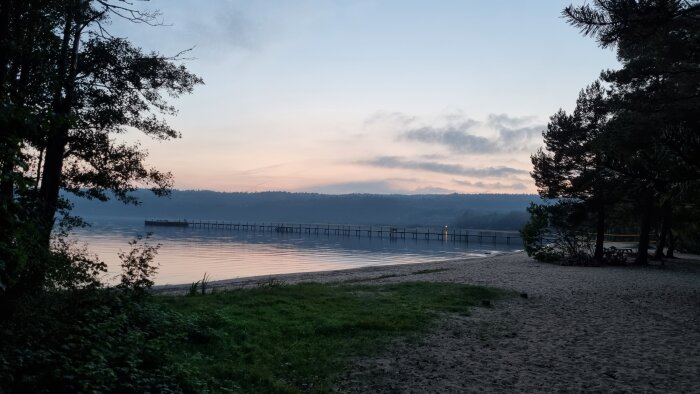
[(492, 186), (389, 117), (511, 134), (442, 168), (506, 120), (386, 186), (456, 138), (220, 27), (433, 156)]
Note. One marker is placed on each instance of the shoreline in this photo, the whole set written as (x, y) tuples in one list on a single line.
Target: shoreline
[(377, 272), (329, 276)]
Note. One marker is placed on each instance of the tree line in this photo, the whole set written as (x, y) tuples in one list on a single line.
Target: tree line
[(628, 156), (478, 211)]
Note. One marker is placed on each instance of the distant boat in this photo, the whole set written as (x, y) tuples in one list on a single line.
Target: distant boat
[(167, 223)]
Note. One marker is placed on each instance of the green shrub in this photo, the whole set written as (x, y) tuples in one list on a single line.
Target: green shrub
[(75, 335), (95, 341), (536, 232), (558, 233), (138, 268)]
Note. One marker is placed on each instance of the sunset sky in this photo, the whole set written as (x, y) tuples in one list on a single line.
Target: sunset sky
[(366, 96)]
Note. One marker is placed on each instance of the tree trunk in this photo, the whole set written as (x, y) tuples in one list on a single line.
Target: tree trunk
[(600, 233), (7, 174), (58, 133), (5, 11), (7, 151), (7, 162), (665, 228), (644, 229), (671, 244)]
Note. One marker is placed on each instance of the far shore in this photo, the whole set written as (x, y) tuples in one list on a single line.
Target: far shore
[(565, 328)]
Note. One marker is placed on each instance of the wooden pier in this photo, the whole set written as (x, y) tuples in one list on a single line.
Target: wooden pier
[(168, 223), (428, 233)]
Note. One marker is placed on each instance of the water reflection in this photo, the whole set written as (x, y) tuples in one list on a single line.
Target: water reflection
[(187, 253)]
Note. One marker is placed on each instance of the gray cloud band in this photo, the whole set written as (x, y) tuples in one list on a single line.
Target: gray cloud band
[(513, 135), (442, 168), (492, 186)]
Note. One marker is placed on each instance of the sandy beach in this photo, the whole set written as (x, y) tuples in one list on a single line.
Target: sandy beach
[(629, 329)]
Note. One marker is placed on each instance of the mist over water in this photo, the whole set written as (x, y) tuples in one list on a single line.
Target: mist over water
[(187, 253)]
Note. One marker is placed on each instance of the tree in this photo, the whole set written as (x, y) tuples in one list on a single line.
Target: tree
[(654, 97), (534, 233), (572, 166), (27, 43), (107, 86), (69, 89)]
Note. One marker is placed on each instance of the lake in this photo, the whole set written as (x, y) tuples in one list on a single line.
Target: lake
[(187, 253)]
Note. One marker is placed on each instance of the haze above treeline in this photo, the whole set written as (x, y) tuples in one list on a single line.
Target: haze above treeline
[(478, 211)]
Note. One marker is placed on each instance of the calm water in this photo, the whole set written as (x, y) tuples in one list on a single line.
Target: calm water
[(187, 253)]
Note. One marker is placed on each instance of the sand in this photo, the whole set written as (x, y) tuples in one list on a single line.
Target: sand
[(621, 329)]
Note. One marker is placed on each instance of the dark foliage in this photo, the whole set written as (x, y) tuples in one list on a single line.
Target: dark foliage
[(94, 341), (67, 89), (633, 145), (554, 234), (537, 233), (138, 267)]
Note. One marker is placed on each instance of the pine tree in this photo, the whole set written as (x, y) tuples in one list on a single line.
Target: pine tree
[(572, 164), (654, 98)]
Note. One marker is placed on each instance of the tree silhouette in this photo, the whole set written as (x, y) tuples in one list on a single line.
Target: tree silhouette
[(69, 88), (573, 164), (654, 124)]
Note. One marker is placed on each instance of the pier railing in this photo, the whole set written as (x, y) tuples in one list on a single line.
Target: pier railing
[(369, 231)]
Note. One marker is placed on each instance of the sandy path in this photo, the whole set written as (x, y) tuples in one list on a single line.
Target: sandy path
[(580, 329)]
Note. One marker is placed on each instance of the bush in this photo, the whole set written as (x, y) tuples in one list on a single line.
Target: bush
[(71, 267), (75, 335), (555, 233), (535, 232), (93, 341), (138, 268)]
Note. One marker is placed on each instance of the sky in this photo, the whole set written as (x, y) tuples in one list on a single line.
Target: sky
[(366, 96)]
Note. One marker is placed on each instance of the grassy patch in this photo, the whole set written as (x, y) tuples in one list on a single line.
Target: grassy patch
[(295, 338)]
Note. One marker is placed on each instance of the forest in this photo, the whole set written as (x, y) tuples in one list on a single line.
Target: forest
[(476, 211)]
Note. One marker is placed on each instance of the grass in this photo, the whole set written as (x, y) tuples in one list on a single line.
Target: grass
[(294, 338), (200, 285)]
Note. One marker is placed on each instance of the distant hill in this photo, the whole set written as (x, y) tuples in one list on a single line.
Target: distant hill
[(493, 211)]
